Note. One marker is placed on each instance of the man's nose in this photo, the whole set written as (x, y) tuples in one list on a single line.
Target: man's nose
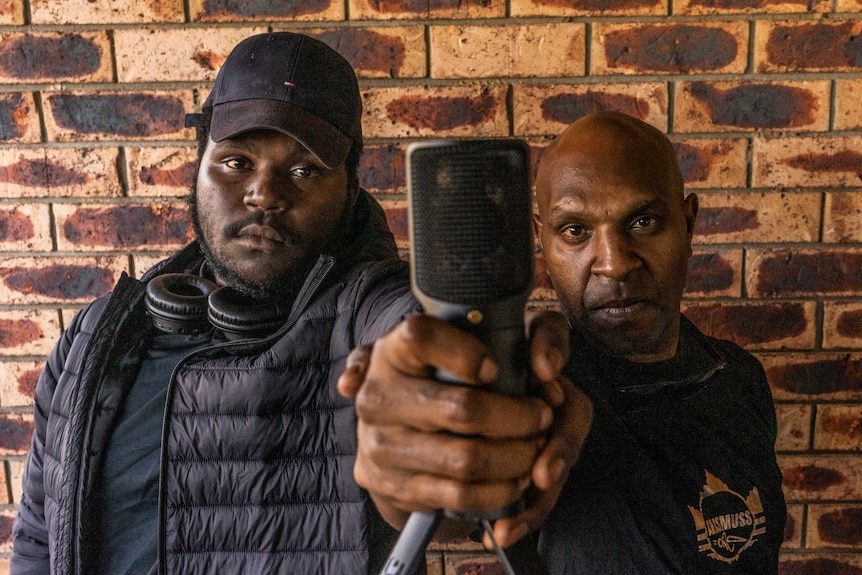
[(268, 190), (613, 255)]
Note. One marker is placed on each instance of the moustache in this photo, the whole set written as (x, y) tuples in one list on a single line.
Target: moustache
[(267, 219)]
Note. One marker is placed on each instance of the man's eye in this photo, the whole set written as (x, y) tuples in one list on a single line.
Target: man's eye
[(236, 163), (573, 232), (303, 172), (644, 223)]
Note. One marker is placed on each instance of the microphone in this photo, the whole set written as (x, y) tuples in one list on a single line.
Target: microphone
[(471, 264)]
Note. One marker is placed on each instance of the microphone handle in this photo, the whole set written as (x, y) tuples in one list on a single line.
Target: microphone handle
[(411, 544)]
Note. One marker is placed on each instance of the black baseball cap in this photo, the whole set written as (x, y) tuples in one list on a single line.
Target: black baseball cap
[(291, 83)]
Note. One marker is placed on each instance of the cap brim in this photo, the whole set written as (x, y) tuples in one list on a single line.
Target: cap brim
[(328, 144)]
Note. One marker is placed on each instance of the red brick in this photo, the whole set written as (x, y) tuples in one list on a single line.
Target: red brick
[(588, 8), (473, 564), (126, 226), (785, 325), (18, 381), (434, 564), (848, 6), (819, 564), (804, 272), (67, 12), (826, 376), (744, 106), (101, 115), (265, 10), (848, 115), (807, 162), (25, 227), (842, 325), (843, 217), (383, 52), (542, 110), (58, 279), (821, 477), (59, 172), (19, 119), (162, 171), (675, 48), (194, 54), (28, 332), (838, 427), (55, 56), (834, 526), (382, 168), (16, 430), (714, 273), (757, 217), (396, 217), (425, 9), (7, 518), (712, 163), (806, 46), (531, 50), (793, 528), (456, 111), (701, 7), (11, 12), (794, 427)]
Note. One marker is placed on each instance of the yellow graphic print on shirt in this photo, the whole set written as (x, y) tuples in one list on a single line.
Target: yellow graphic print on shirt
[(727, 524)]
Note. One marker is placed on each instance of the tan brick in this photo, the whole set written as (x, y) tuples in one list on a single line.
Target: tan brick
[(793, 527), (712, 163), (771, 325), (828, 376), (819, 45), (94, 227), (425, 10), (821, 477), (588, 8), (11, 12), (848, 6), (19, 118), (804, 272), (161, 171), (55, 56), (530, 50), (119, 115), (822, 562), (36, 280), (547, 110), (18, 382), (28, 332), (68, 314), (472, 563), (106, 12), (175, 54), (834, 526), (275, 11), (748, 106), (379, 52), (59, 172), (417, 111), (25, 227), (794, 427), (807, 161), (5, 499), (7, 516), (714, 273), (757, 217), (703, 7), (842, 325), (675, 48), (838, 427), (434, 564), (15, 478), (396, 218), (848, 114), (143, 263), (843, 217)]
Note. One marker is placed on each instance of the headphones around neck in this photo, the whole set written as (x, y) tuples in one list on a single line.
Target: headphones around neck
[(190, 304)]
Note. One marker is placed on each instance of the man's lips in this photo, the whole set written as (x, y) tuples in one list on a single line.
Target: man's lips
[(618, 308), (256, 232)]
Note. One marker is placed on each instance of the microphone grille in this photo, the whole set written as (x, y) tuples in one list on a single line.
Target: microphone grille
[(470, 219)]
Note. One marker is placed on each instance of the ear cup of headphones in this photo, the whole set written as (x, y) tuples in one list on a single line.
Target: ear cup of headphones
[(178, 302), (237, 317)]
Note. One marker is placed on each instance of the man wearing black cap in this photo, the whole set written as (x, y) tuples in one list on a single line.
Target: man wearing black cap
[(189, 422)]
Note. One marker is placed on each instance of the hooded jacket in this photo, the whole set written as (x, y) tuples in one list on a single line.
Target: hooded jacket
[(257, 447)]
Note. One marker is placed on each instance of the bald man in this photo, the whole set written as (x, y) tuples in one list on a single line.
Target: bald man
[(678, 474)]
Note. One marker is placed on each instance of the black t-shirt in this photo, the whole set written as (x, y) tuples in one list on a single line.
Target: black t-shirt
[(678, 474)]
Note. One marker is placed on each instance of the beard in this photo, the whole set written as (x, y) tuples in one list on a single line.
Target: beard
[(282, 286)]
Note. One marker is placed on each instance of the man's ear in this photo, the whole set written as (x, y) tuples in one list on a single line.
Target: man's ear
[(689, 208), (537, 229)]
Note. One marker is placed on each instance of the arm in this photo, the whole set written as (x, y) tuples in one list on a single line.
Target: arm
[(426, 445)]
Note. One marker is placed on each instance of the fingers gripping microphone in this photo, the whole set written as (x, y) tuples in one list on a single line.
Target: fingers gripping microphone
[(471, 264)]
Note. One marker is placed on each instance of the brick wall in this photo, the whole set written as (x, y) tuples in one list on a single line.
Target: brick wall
[(761, 98)]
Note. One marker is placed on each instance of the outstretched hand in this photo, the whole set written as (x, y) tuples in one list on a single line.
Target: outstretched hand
[(425, 445)]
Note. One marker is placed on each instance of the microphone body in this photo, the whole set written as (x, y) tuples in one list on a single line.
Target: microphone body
[(471, 264)]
